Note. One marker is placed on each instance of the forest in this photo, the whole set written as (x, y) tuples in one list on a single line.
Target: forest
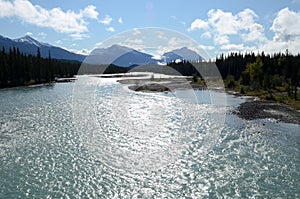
[(279, 72), (272, 77), (18, 69)]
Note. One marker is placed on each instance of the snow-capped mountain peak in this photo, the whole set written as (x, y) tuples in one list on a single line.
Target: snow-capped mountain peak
[(116, 54), (29, 45), (31, 41)]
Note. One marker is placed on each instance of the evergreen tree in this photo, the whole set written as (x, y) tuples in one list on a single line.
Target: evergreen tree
[(17, 69)]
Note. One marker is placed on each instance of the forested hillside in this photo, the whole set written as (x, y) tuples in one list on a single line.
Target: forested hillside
[(17, 69)]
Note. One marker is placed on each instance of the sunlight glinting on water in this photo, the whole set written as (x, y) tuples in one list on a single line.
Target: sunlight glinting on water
[(46, 149), (138, 131)]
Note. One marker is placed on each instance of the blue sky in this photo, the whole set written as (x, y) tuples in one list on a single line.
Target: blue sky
[(219, 26)]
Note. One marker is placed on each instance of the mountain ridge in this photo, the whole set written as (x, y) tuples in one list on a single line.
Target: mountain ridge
[(29, 45), (31, 40), (116, 54), (183, 53)]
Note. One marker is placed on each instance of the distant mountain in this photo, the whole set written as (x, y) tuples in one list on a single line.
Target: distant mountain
[(29, 40), (182, 54), (28, 45), (115, 54), (125, 57), (120, 56)]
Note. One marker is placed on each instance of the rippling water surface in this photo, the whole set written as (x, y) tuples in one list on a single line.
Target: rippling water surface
[(98, 139)]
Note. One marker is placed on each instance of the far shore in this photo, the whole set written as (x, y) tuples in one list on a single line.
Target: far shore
[(262, 109), (257, 108), (254, 108), (161, 84), (30, 85)]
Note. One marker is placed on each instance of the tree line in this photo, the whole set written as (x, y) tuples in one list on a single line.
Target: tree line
[(18, 69), (250, 72), (280, 71)]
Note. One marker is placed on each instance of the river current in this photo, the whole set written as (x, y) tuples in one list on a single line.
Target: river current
[(98, 139)]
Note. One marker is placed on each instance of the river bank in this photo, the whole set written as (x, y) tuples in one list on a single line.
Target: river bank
[(261, 109), (51, 83), (161, 84), (254, 108)]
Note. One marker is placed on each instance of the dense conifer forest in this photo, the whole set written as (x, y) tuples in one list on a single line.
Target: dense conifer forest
[(18, 69), (279, 72)]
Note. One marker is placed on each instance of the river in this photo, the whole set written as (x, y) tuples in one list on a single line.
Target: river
[(95, 138)]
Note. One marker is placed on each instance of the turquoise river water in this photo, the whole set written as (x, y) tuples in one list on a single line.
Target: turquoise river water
[(97, 139)]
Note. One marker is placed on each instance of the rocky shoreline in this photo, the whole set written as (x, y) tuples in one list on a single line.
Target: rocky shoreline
[(151, 87), (260, 109), (160, 85), (164, 87)]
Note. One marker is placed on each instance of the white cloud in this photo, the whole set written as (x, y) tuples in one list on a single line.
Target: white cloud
[(223, 26), (286, 25), (275, 46), (246, 18), (233, 47), (120, 20), (286, 28), (238, 47), (198, 24), (29, 33), (160, 35), (223, 22), (79, 36), (204, 47), (7, 9), (98, 45), (90, 12), (136, 32), (58, 41), (42, 35), (157, 57), (221, 39), (174, 43), (255, 34), (111, 29), (107, 20), (243, 27), (69, 22), (82, 51), (134, 41), (206, 35)]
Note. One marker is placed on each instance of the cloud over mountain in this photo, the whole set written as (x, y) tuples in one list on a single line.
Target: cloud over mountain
[(69, 22)]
